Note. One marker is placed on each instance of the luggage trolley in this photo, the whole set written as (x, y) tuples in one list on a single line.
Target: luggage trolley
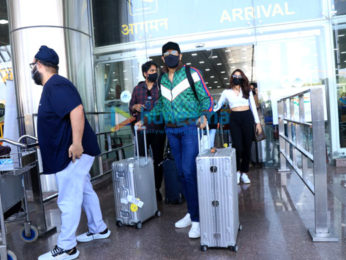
[(23, 163), (4, 252)]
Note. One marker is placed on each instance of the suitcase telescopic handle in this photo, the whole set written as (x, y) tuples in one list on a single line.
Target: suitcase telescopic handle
[(145, 141), (199, 133)]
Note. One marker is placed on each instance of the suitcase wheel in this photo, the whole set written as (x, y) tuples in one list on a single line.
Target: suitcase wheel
[(158, 213), (139, 225), (204, 248), (240, 227), (119, 223), (234, 248)]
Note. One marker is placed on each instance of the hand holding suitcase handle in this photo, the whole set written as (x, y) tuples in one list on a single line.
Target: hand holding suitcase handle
[(145, 141), (199, 130)]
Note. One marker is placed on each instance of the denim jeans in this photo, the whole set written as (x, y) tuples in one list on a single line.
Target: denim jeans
[(184, 146)]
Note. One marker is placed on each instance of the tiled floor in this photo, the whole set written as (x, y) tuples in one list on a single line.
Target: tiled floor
[(275, 219)]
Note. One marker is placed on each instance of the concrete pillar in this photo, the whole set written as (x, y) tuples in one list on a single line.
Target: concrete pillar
[(62, 25)]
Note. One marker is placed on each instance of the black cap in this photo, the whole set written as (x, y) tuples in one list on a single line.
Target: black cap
[(47, 55), (170, 46)]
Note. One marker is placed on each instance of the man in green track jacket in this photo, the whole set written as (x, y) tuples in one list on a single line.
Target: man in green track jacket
[(184, 100)]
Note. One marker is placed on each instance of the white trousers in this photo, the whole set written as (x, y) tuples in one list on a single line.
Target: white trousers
[(74, 191)]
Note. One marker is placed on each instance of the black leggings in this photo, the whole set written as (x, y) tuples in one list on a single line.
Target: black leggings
[(242, 132)]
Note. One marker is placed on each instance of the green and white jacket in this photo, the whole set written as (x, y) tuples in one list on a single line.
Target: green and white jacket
[(177, 102)]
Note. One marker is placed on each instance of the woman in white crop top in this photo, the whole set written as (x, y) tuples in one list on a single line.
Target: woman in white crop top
[(242, 120)]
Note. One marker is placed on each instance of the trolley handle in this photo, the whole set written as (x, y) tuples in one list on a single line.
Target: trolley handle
[(5, 140), (19, 142), (27, 137), (145, 141)]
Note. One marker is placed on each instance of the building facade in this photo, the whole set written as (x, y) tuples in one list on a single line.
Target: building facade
[(284, 46)]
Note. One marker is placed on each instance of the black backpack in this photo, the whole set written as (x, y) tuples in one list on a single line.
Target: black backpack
[(189, 78)]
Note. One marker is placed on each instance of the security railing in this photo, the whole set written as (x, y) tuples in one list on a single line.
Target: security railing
[(114, 146), (301, 116)]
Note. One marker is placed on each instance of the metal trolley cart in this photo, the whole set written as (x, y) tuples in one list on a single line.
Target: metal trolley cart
[(23, 164)]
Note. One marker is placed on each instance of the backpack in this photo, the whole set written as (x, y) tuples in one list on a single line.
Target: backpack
[(189, 78)]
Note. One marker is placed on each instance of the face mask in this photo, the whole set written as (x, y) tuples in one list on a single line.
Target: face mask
[(36, 76), (237, 81), (172, 61), (152, 77)]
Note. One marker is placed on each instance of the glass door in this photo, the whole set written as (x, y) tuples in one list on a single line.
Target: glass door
[(340, 67), (115, 78)]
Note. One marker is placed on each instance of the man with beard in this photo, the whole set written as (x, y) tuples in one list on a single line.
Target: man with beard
[(182, 104), (68, 146)]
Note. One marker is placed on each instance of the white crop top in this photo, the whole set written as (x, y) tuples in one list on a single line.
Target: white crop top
[(235, 100)]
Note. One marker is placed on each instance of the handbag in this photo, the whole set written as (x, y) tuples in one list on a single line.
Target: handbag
[(259, 137), (218, 139)]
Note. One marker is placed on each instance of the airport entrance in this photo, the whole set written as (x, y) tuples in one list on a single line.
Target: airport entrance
[(280, 63)]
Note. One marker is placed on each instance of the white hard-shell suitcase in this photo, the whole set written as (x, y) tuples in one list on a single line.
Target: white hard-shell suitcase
[(218, 198), (134, 189)]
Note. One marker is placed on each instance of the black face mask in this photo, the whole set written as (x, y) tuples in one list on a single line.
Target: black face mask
[(36, 76), (237, 81), (152, 77), (172, 61)]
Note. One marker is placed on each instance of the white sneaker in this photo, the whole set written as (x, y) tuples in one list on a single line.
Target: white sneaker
[(184, 222), (245, 179), (60, 254), (88, 236), (195, 231), (238, 177)]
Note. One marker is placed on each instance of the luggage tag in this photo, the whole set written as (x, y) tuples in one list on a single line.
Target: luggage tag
[(135, 202)]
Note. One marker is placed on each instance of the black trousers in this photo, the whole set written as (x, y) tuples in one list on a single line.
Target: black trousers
[(242, 132), (155, 140)]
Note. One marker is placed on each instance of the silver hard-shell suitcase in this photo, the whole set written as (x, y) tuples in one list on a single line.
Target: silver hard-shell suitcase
[(134, 189), (218, 198)]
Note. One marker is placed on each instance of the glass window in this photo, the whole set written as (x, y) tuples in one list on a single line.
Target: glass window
[(340, 67), (340, 7), (4, 31), (112, 79), (284, 67)]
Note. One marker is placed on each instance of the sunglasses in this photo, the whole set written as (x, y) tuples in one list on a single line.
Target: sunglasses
[(32, 65)]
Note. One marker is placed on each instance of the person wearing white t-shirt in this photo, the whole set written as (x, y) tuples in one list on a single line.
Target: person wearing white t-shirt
[(242, 120)]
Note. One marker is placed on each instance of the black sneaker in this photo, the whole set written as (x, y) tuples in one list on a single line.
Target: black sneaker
[(88, 236), (61, 254)]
